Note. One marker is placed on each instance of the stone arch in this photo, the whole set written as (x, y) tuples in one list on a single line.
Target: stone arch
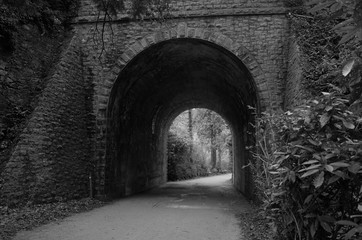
[(182, 31)]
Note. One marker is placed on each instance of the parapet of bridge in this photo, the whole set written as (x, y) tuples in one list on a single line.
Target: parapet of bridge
[(105, 112)]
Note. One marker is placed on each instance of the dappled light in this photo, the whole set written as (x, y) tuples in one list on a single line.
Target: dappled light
[(199, 144)]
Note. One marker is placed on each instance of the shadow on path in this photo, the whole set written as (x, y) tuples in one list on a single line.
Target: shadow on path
[(196, 209)]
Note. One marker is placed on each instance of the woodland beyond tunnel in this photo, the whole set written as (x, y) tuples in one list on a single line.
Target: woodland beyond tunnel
[(155, 87)]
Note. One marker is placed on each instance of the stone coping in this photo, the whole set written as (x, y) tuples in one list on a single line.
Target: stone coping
[(191, 14)]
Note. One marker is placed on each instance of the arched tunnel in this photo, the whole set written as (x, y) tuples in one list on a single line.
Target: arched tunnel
[(157, 85)]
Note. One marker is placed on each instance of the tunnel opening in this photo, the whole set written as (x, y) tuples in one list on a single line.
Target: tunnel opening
[(199, 144), (157, 85)]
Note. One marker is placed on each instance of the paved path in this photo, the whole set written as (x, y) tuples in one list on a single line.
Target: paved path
[(200, 209)]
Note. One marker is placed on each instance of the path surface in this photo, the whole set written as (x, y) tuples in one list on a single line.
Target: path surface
[(200, 209)]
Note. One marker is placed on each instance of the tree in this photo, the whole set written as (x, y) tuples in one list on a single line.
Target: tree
[(189, 112), (212, 130)]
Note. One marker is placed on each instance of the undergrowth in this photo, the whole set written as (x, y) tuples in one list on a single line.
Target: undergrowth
[(308, 171)]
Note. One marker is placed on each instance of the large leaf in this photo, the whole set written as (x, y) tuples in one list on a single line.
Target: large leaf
[(309, 173), (318, 181), (291, 176), (310, 168), (305, 148), (348, 124), (336, 165), (346, 223), (348, 37), (324, 119), (329, 156), (310, 162), (348, 68), (308, 199), (340, 174), (312, 230), (329, 168), (326, 227), (313, 142), (354, 168), (343, 24), (350, 233), (333, 179)]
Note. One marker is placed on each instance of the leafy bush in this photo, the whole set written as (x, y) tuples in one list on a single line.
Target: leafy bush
[(180, 166), (308, 170)]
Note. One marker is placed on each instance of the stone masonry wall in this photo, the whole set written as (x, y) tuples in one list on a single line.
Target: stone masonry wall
[(23, 72), (58, 148), (265, 36), (187, 8), (52, 158)]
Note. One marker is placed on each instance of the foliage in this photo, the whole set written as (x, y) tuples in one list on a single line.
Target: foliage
[(50, 16), (179, 164), (346, 16), (308, 170), (207, 135), (44, 13), (139, 8), (20, 23), (208, 122), (321, 54), (213, 131), (13, 220), (349, 11)]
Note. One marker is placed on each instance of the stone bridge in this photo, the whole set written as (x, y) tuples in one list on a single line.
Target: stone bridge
[(102, 121)]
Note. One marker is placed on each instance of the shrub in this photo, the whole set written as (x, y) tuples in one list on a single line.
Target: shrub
[(308, 170), (180, 166)]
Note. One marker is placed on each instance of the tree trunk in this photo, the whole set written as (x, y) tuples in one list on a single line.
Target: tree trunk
[(231, 157), (213, 147), (190, 132), (218, 165)]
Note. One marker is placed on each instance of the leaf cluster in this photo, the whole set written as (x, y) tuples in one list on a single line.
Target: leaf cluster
[(211, 128), (44, 13), (179, 163), (308, 170), (321, 55), (346, 19)]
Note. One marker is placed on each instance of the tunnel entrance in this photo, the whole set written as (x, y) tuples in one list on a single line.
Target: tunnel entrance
[(157, 85), (199, 144)]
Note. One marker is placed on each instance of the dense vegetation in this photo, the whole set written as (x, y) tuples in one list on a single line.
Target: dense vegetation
[(308, 161), (308, 169), (199, 143), (307, 164), (31, 34)]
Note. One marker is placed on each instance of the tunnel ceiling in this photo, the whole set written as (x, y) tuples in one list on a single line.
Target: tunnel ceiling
[(178, 74)]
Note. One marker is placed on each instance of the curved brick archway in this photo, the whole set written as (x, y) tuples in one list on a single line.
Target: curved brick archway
[(257, 84), (184, 32)]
